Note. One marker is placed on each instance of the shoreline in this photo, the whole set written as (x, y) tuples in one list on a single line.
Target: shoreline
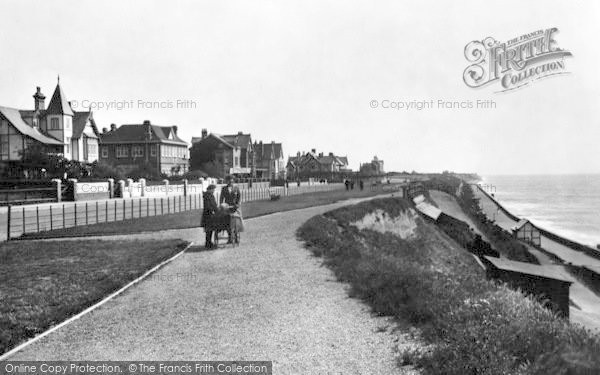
[(571, 244)]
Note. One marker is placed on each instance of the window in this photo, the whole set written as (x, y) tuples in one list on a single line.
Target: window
[(67, 123), (236, 161), (68, 146), (92, 149), (105, 152), (122, 151), (54, 125), (153, 150), (137, 151)]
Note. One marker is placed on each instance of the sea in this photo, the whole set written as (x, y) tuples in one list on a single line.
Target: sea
[(567, 205)]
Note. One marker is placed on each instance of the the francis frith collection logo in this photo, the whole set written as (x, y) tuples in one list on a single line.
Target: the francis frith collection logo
[(515, 63)]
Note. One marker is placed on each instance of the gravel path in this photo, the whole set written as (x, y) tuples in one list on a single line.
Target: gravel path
[(267, 299)]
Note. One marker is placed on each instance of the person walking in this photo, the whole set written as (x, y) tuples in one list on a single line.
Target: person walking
[(232, 196), (361, 184), (208, 215)]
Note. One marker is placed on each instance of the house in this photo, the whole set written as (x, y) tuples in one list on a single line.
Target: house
[(222, 155), (270, 162), (311, 164), (153, 147), (526, 231), (374, 167), (547, 281), (58, 128)]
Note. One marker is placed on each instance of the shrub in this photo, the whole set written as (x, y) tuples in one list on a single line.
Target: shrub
[(475, 326)]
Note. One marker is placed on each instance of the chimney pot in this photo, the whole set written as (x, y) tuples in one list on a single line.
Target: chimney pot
[(146, 122), (104, 130), (240, 133), (175, 128), (204, 133), (331, 154), (314, 150), (113, 127)]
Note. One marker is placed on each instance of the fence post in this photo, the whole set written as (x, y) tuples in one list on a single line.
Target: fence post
[(50, 217), (71, 189), (111, 188), (166, 182), (142, 182), (23, 219), (37, 217), (96, 213), (8, 218), (57, 188), (75, 214), (63, 215)]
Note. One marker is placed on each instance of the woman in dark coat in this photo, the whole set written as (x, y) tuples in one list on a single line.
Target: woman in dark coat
[(233, 197), (208, 214)]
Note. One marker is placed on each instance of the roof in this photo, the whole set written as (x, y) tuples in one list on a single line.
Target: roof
[(238, 140), (14, 117), (426, 208), (429, 210), (267, 151), (59, 104), (546, 271), (520, 224), (80, 119), (343, 159), (137, 133)]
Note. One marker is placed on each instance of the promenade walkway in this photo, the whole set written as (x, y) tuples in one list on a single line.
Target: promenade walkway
[(267, 299)]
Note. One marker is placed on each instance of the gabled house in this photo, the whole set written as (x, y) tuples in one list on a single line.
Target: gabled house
[(311, 164), (233, 154), (153, 147), (270, 162), (59, 128)]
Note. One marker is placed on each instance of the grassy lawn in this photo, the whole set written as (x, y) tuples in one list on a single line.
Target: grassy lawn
[(470, 325), (42, 285), (191, 219)]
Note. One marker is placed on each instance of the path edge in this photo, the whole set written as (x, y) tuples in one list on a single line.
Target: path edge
[(89, 309)]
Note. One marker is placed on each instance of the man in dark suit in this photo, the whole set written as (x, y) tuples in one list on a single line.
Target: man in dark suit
[(231, 195), (208, 214)]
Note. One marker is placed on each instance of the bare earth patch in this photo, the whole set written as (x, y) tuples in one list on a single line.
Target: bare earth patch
[(403, 225)]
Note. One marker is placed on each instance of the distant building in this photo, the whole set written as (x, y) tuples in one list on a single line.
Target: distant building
[(374, 167), (58, 128), (134, 146), (311, 164), (525, 231), (270, 162), (547, 281), (231, 154)]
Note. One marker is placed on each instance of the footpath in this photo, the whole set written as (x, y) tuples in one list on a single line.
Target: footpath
[(267, 299)]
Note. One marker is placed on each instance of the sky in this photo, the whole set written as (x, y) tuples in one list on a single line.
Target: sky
[(305, 73)]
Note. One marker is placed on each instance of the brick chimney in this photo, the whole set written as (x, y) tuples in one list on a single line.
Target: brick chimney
[(104, 130), (204, 133), (39, 99), (175, 129), (314, 150), (113, 127), (331, 154)]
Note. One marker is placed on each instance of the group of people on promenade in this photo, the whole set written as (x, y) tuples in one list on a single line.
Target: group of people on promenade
[(226, 216)]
